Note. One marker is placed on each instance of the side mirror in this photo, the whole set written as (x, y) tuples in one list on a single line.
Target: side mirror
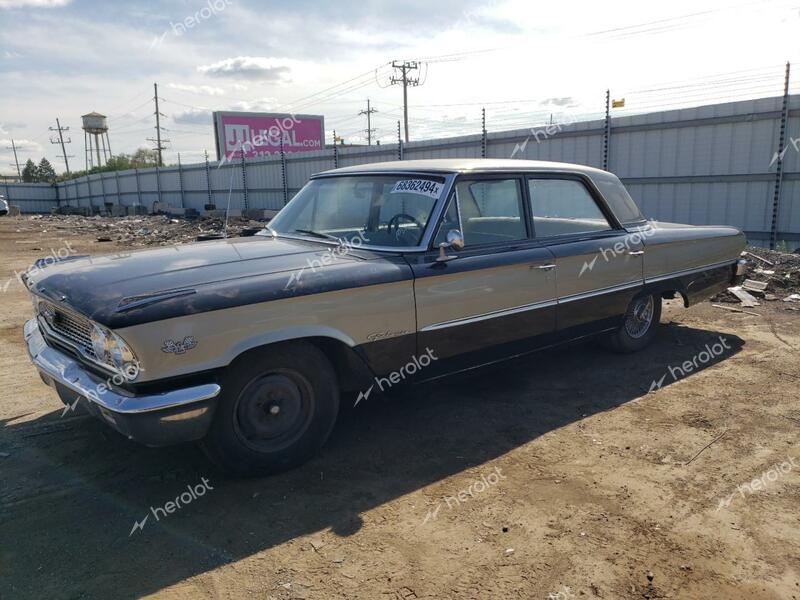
[(455, 240)]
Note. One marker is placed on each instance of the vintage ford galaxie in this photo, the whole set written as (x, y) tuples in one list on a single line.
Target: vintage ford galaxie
[(371, 276)]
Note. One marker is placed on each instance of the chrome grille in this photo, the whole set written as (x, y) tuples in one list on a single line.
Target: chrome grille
[(71, 327)]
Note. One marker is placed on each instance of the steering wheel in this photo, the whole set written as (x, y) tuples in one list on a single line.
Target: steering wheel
[(395, 220)]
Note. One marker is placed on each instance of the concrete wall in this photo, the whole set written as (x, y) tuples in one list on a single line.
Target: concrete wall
[(704, 165)]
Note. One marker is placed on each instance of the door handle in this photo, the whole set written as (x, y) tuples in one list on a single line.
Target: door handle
[(545, 267), (635, 252)]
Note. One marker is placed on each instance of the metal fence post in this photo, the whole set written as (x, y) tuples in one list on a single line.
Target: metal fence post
[(103, 188), (607, 133), (208, 177), (119, 191), (244, 181), (180, 181), (399, 143), (158, 188), (283, 176), (483, 133), (335, 152), (776, 197), (138, 189)]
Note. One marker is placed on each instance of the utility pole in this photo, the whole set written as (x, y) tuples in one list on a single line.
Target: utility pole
[(405, 67), (16, 160), (159, 147), (369, 128), (61, 141)]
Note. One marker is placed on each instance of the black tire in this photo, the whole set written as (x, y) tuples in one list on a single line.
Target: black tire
[(277, 407), (639, 326)]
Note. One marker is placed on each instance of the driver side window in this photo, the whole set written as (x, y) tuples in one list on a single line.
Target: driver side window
[(491, 211)]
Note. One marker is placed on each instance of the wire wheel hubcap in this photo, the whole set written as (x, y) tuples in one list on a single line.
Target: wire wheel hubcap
[(640, 317)]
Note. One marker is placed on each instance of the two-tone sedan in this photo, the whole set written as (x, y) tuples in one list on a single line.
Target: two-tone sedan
[(372, 276)]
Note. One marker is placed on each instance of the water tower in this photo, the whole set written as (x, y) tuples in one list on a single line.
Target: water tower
[(95, 126)]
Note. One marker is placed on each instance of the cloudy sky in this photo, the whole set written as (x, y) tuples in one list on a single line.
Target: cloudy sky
[(522, 60)]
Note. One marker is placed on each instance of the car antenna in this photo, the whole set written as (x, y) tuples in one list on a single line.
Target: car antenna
[(228, 208)]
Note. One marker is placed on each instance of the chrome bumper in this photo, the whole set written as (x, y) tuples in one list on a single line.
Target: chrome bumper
[(157, 419)]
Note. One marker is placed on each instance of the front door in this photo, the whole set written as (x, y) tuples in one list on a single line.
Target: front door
[(499, 289)]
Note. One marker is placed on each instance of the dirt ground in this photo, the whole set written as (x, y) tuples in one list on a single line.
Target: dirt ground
[(559, 475)]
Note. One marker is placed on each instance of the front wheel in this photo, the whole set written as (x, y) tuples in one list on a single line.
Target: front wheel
[(639, 325), (277, 408)]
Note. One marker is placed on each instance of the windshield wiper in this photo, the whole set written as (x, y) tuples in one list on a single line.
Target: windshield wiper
[(318, 234)]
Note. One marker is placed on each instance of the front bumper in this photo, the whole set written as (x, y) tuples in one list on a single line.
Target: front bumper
[(155, 420)]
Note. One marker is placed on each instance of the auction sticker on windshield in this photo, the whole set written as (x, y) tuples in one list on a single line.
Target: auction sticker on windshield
[(425, 187)]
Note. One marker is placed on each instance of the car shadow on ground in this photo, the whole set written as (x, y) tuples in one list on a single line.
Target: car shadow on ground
[(72, 491)]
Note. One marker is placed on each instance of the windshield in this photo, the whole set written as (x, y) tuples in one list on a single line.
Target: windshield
[(378, 210)]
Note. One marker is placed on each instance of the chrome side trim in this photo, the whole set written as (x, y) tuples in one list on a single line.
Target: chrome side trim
[(727, 263), (600, 292), (490, 315), (59, 367)]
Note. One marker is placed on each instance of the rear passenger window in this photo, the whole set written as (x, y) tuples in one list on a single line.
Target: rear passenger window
[(491, 211), (563, 206)]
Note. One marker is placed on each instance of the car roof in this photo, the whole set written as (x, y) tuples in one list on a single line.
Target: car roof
[(465, 165)]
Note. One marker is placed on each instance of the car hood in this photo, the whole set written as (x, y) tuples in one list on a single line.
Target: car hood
[(122, 289)]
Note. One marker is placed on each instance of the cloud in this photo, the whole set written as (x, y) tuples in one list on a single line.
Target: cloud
[(33, 3), (247, 67), (206, 90), (563, 101), (9, 54), (263, 104), (193, 116), (22, 145)]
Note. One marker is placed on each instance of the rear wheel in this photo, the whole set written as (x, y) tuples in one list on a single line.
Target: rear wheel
[(639, 326), (277, 408)]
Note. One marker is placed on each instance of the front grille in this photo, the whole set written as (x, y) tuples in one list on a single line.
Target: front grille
[(73, 328)]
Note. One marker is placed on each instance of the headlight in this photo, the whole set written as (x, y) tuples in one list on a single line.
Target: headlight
[(112, 350)]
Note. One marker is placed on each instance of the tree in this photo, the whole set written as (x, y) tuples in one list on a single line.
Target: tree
[(143, 158), (45, 173), (29, 174)]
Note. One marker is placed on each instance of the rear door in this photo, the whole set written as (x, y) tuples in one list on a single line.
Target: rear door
[(598, 263), (500, 288)]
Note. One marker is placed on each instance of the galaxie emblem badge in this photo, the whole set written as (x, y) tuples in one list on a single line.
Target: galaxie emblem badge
[(179, 347)]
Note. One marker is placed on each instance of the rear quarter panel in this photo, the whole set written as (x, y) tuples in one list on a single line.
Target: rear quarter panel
[(672, 248)]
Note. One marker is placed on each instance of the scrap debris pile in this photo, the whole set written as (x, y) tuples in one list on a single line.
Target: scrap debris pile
[(146, 230), (772, 277)]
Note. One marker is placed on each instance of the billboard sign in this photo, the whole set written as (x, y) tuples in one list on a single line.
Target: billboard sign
[(261, 134)]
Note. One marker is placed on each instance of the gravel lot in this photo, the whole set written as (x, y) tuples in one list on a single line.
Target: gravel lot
[(559, 475)]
